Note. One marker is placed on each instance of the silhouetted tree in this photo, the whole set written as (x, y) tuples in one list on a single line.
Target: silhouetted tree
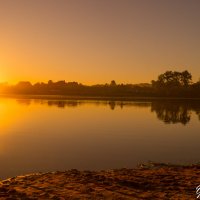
[(113, 83), (169, 84), (50, 82), (173, 79), (186, 78), (24, 84)]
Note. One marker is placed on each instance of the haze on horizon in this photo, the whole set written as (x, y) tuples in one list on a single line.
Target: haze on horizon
[(95, 41)]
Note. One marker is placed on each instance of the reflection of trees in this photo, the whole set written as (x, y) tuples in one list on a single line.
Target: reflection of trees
[(62, 104), (112, 105), (24, 101), (122, 104), (172, 112), (198, 113)]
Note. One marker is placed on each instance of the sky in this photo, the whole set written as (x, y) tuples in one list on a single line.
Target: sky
[(96, 41)]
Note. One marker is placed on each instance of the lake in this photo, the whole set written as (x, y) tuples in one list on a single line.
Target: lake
[(41, 135)]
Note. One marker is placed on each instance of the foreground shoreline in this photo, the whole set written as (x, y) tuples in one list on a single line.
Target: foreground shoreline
[(151, 181)]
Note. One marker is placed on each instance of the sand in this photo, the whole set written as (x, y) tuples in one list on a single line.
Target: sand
[(152, 181)]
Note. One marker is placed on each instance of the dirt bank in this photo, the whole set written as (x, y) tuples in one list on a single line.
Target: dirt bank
[(152, 181)]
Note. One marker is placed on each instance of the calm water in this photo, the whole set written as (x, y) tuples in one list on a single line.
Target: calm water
[(48, 135)]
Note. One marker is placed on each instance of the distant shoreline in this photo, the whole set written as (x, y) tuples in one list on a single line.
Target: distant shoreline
[(103, 98)]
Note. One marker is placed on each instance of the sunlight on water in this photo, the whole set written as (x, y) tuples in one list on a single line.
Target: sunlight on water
[(47, 135), (10, 112)]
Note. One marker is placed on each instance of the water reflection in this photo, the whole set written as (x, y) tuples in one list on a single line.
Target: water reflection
[(62, 104), (170, 112), (26, 102), (75, 103), (95, 134), (112, 104)]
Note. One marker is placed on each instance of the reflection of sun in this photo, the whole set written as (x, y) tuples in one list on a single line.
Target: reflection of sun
[(5, 115), (9, 113)]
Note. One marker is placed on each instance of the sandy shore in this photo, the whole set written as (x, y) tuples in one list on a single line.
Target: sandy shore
[(152, 181)]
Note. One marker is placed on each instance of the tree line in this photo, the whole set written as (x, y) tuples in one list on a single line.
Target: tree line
[(168, 84)]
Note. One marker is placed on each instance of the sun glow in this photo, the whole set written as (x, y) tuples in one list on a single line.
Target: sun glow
[(3, 77), (10, 113)]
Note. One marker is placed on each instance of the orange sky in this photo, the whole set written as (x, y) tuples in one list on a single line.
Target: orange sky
[(95, 41)]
